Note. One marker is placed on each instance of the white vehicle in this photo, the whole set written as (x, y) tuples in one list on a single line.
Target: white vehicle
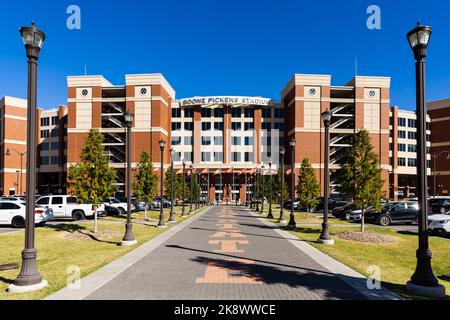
[(439, 223), (12, 199), (67, 207), (122, 206), (13, 213)]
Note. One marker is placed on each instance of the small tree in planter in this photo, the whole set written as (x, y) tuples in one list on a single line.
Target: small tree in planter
[(92, 179), (360, 175), (145, 184), (308, 189)]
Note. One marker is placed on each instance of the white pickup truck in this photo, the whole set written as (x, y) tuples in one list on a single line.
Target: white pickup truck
[(65, 206)]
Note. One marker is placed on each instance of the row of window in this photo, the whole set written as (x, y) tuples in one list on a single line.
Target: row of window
[(218, 141), (408, 162), (235, 112), (410, 147), (54, 160), (411, 135), (51, 146), (46, 121), (49, 133)]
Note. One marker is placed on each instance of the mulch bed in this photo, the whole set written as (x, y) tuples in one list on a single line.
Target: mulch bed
[(366, 237)]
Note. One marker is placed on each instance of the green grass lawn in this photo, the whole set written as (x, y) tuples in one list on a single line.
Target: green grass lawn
[(59, 247), (397, 261)]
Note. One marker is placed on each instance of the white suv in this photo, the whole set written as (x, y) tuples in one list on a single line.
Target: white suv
[(439, 223), (67, 207), (13, 213)]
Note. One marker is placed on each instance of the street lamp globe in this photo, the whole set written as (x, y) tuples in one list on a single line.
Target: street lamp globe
[(129, 116), (326, 117), (292, 142), (32, 36), (419, 36), (282, 151), (162, 144)]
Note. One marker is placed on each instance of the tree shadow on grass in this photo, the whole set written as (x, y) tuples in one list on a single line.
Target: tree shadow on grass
[(75, 228)]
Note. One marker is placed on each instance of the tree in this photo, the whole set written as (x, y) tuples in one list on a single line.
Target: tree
[(308, 189), (91, 179), (145, 184), (360, 175), (276, 187), (177, 184)]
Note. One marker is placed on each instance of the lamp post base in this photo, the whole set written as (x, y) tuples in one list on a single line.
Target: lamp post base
[(328, 242), (432, 292), (291, 226), (12, 288), (125, 243)]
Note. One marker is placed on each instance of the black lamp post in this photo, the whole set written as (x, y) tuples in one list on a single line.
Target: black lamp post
[(21, 154), (162, 223), (183, 210), (172, 214), (29, 278), (282, 219), (128, 239), (261, 192), (270, 215), (246, 184), (257, 191), (192, 189), (292, 224), (437, 155), (325, 237), (423, 281)]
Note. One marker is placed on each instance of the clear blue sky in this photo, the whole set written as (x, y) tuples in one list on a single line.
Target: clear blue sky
[(236, 47)]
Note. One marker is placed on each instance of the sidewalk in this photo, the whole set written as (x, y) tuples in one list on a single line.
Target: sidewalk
[(225, 253)]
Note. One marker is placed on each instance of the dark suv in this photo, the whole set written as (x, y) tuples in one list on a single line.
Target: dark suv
[(439, 205), (396, 212)]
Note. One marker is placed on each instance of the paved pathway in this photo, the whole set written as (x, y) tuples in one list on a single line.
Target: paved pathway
[(227, 253)]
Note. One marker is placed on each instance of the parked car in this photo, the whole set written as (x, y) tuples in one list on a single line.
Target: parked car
[(439, 224), (12, 199), (439, 205), (287, 204), (116, 203), (341, 211), (157, 202), (66, 206), (356, 214), (332, 203), (397, 212), (13, 213), (111, 211)]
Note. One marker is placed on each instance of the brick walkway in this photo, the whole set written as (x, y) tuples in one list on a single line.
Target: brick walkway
[(226, 254)]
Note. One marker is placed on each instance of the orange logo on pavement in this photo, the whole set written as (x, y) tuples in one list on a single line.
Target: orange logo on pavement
[(228, 246)]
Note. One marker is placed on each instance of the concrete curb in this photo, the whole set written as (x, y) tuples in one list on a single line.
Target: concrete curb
[(348, 275), (105, 274)]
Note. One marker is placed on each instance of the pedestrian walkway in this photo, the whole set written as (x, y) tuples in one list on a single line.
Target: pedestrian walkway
[(226, 253)]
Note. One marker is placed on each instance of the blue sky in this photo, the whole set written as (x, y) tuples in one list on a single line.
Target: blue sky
[(207, 47)]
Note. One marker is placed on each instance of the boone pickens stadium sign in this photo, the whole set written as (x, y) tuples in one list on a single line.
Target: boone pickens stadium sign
[(232, 100)]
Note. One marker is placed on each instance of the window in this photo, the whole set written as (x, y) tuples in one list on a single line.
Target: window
[(235, 113), (428, 126), (218, 156), (281, 141), (236, 156), (248, 141), (249, 157), (267, 113), (248, 126), (218, 113), (401, 122), (44, 161), (411, 123), (55, 145), (412, 162), (412, 148), (249, 113), (206, 141), (268, 141), (206, 126), (187, 141), (206, 156), (176, 156), (218, 126), (236, 141), (279, 126), (267, 126), (206, 113), (44, 200), (402, 134), (45, 146), (176, 126), (218, 141), (57, 200), (71, 200), (45, 122), (55, 120), (9, 206), (55, 133), (411, 135), (176, 141), (188, 126), (279, 113), (401, 147), (188, 156), (428, 137), (45, 133), (188, 112), (401, 162), (176, 113), (391, 146), (235, 126), (54, 160)]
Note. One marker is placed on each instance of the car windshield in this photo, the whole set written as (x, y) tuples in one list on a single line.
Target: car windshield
[(114, 200)]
